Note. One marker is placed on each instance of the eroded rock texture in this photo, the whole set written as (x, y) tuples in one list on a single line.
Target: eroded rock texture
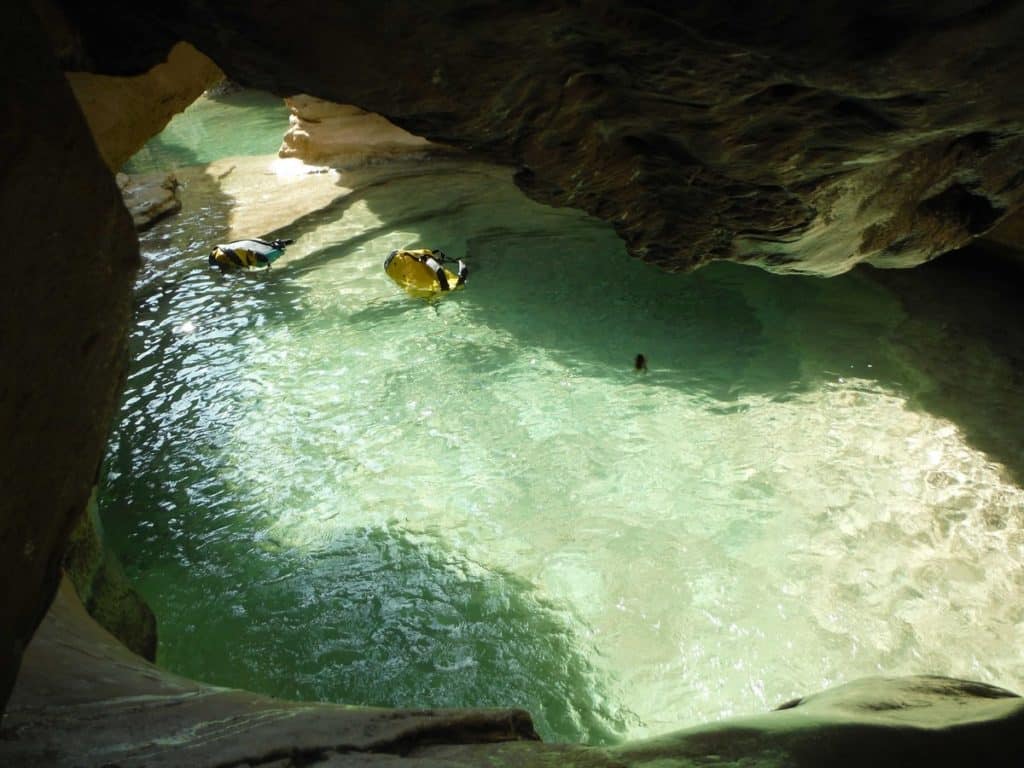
[(98, 578), (125, 112), (803, 138)]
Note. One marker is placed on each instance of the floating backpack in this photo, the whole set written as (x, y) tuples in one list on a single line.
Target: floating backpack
[(248, 253)]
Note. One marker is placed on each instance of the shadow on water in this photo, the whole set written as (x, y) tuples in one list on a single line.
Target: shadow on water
[(945, 335), (382, 618), (963, 340)]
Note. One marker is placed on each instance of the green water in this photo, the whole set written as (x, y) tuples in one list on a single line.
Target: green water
[(235, 123), (329, 490)]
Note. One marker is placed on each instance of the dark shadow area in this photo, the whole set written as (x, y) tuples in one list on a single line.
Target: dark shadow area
[(963, 340), (376, 617)]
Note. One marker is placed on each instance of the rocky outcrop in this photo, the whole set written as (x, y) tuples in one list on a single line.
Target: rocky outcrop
[(342, 136), (125, 112), (149, 197), (800, 141), (83, 700)]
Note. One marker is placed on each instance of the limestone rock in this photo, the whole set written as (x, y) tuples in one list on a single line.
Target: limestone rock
[(85, 700), (125, 112), (342, 136), (149, 197)]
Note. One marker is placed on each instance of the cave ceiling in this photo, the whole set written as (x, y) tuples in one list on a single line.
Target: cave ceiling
[(804, 137)]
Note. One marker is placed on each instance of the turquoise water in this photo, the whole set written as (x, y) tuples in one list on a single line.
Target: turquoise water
[(235, 123), (329, 490)]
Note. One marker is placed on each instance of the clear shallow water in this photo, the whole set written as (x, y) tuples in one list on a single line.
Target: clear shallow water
[(329, 490), (230, 124)]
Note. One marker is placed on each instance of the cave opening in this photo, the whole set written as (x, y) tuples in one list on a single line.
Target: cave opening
[(328, 490)]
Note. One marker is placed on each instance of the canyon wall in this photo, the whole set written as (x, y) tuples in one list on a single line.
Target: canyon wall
[(71, 257), (125, 112), (800, 139)]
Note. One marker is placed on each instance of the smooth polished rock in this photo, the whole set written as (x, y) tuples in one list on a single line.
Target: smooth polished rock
[(98, 578), (343, 136), (84, 700), (125, 112), (149, 197), (63, 324)]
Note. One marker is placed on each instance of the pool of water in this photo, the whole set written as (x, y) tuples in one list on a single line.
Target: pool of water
[(329, 490), (234, 123)]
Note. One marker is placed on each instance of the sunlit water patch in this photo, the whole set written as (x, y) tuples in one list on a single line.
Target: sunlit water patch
[(239, 122), (329, 490)]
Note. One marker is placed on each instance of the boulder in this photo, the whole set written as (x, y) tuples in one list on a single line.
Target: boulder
[(149, 197)]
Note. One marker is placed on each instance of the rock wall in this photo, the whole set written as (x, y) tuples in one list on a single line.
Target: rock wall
[(97, 576), (125, 112), (802, 140), (84, 701), (63, 324), (805, 140)]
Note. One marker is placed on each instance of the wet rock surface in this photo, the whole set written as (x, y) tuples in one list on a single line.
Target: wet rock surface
[(801, 140), (83, 699), (101, 584)]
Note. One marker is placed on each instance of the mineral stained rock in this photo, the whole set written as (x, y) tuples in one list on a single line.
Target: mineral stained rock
[(801, 139), (101, 584)]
